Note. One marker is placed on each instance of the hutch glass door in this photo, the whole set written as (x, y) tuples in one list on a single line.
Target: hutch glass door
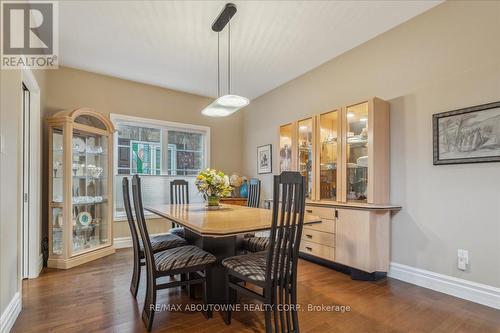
[(89, 212), (305, 152), (286, 136), (357, 152), (328, 145), (57, 190)]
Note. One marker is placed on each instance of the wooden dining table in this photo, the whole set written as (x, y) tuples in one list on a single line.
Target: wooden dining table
[(219, 232)]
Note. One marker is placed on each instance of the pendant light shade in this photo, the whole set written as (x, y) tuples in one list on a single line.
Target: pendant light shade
[(225, 105)]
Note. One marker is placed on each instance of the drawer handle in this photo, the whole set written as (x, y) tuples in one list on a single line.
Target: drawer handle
[(309, 236), (309, 248), (309, 210)]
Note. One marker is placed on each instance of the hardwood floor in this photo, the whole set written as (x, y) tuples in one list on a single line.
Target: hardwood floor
[(95, 297)]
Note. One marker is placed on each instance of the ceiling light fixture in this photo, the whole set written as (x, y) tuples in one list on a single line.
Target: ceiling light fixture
[(224, 105)]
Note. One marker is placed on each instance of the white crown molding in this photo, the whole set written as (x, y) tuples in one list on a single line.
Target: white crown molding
[(10, 314), (471, 291)]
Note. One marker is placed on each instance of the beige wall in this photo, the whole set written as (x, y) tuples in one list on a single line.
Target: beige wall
[(444, 59), (70, 88), (10, 173)]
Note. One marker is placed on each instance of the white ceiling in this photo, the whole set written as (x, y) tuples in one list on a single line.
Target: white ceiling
[(171, 44)]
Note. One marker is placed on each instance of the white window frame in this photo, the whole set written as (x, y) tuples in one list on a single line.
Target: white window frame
[(159, 124), (119, 119)]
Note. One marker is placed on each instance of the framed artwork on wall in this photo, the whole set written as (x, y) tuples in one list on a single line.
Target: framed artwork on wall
[(469, 135), (264, 159)]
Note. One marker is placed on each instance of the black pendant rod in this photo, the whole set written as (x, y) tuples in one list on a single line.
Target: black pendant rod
[(224, 17), (229, 58)]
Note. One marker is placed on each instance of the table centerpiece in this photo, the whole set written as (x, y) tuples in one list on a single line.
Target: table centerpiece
[(213, 184)]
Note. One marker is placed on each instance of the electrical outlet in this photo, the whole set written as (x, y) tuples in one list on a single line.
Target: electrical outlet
[(463, 259)]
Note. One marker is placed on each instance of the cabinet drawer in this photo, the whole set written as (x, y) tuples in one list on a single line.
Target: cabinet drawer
[(326, 225), (323, 212), (319, 237), (317, 250)]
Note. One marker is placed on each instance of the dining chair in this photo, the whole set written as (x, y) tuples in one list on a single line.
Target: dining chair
[(188, 260), (253, 193), (275, 270), (250, 242), (158, 243), (179, 194)]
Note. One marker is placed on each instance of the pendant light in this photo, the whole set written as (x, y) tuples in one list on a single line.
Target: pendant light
[(227, 104)]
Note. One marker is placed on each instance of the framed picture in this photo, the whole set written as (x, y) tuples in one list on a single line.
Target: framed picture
[(470, 135), (264, 159)]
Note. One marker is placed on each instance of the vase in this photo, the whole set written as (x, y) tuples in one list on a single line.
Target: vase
[(236, 192), (213, 201), (244, 190)]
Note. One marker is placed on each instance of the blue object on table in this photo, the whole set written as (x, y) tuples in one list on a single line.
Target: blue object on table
[(244, 190)]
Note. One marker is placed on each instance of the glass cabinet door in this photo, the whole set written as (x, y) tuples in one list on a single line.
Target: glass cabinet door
[(328, 151), (357, 152), (286, 137), (304, 143), (57, 190), (89, 208)]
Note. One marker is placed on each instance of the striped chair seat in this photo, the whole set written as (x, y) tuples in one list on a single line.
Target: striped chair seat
[(164, 242), (252, 266), (182, 257), (178, 231), (255, 244)]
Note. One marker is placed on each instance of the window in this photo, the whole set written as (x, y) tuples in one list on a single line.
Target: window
[(159, 151)]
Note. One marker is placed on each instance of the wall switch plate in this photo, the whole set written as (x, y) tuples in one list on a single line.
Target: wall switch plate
[(463, 259), (2, 145)]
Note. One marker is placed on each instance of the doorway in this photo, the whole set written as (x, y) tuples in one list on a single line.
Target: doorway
[(30, 259)]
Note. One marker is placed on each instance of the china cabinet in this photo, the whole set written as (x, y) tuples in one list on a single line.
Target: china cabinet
[(80, 187), (344, 155)]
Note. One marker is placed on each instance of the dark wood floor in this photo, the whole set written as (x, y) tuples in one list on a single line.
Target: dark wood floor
[(95, 298)]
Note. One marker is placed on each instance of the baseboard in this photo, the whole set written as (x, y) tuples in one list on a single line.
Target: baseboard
[(10, 314), (471, 291), (122, 242), (125, 242)]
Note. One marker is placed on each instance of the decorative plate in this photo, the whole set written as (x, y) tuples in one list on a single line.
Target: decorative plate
[(84, 218)]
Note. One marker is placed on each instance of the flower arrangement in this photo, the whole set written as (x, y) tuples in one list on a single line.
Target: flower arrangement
[(236, 180), (213, 185)]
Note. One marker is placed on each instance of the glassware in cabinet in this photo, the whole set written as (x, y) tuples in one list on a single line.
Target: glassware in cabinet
[(305, 152), (356, 135), (329, 134), (89, 191), (286, 147)]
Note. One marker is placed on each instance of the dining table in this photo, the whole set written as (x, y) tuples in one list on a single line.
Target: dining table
[(218, 231)]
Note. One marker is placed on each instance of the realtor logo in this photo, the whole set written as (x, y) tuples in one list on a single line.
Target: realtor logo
[(29, 34)]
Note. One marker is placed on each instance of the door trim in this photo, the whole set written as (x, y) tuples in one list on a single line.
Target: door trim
[(35, 167)]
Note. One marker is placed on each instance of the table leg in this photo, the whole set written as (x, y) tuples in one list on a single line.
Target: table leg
[(221, 247)]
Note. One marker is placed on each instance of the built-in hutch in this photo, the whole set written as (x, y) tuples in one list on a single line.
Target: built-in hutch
[(80, 187), (344, 155)]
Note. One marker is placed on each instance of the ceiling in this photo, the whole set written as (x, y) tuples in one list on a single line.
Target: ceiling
[(170, 43)]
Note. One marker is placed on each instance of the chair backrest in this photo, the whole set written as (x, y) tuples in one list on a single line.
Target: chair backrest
[(141, 223), (284, 241), (253, 193), (179, 192), (130, 216)]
